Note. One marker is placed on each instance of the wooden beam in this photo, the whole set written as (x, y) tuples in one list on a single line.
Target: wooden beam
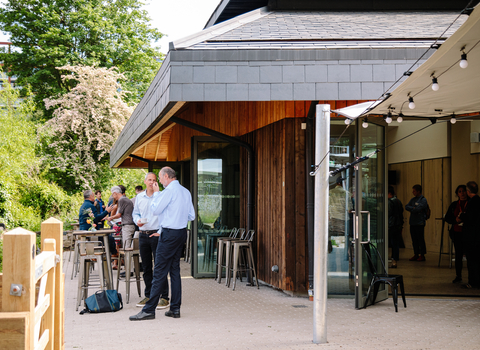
[(153, 138), (158, 146)]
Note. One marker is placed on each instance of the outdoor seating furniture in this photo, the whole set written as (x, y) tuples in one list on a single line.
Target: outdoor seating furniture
[(127, 254), (211, 236), (243, 250), (375, 260), (221, 249), (89, 252)]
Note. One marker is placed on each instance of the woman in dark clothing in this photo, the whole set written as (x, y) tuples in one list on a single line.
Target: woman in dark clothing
[(454, 211), (471, 234)]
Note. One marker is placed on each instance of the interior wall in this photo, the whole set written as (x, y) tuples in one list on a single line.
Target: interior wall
[(430, 143), (434, 177)]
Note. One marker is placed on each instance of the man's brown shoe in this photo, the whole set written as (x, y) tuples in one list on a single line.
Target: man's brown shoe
[(413, 258)]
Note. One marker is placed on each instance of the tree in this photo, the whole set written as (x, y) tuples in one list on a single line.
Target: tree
[(57, 33), (86, 122)]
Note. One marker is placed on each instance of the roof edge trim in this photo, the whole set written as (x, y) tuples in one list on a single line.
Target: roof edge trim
[(219, 29)]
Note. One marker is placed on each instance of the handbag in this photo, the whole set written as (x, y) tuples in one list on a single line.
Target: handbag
[(103, 301)]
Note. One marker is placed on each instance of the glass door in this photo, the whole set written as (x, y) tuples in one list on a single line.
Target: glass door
[(370, 224), (216, 198)]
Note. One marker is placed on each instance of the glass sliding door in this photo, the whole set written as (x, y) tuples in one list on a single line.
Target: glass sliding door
[(370, 224), (216, 187)]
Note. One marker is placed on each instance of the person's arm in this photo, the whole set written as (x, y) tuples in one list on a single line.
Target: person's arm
[(160, 201), (450, 215), (136, 215), (422, 205)]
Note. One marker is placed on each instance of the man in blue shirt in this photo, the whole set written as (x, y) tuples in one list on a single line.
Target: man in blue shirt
[(418, 212), (100, 206), (149, 226), (87, 207), (176, 207)]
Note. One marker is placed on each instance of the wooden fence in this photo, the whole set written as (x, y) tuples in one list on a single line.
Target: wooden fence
[(32, 289)]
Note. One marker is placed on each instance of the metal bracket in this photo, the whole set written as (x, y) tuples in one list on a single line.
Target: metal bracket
[(16, 290)]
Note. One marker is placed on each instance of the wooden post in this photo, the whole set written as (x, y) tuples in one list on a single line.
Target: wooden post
[(53, 228), (19, 268), (48, 319)]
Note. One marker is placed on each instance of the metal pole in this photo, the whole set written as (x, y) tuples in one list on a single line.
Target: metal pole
[(322, 145)]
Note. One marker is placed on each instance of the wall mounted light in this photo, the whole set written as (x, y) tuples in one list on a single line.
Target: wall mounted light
[(411, 104)]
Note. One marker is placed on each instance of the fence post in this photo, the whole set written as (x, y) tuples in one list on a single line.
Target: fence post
[(19, 268), (53, 228)]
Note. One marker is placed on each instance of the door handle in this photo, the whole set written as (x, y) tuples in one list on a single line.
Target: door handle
[(355, 227)]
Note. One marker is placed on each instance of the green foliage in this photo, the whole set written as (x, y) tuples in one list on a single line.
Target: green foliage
[(54, 33)]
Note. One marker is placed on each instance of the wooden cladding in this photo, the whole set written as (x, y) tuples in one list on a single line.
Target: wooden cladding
[(434, 176), (280, 203)]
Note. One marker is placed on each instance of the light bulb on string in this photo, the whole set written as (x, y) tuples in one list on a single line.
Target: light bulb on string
[(365, 123), (348, 121), (388, 118), (463, 61), (400, 118), (435, 86), (453, 120), (411, 104)]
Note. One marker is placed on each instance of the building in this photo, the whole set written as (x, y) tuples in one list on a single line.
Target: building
[(242, 94)]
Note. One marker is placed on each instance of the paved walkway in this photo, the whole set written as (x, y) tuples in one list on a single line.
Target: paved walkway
[(214, 316)]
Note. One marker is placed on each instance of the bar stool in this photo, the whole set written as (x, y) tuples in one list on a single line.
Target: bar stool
[(238, 248), (128, 254), (221, 244), (89, 252), (228, 252)]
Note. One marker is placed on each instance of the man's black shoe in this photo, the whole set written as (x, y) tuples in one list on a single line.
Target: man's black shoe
[(174, 314), (141, 316)]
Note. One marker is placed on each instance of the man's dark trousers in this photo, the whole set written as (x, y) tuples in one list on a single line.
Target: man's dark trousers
[(418, 239), (169, 251), (148, 248)]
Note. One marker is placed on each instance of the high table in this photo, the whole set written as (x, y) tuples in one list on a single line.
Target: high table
[(103, 233)]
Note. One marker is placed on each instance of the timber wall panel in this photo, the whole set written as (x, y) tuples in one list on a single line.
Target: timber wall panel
[(435, 177)]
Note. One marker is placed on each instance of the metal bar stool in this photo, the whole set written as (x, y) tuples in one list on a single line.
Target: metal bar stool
[(239, 247), (89, 252), (221, 245), (132, 252)]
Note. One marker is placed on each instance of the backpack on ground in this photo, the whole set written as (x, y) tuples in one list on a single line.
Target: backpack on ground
[(103, 301)]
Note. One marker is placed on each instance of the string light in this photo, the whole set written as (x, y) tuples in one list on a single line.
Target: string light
[(453, 120), (463, 61), (411, 104), (400, 118), (435, 86), (348, 121), (388, 118), (365, 123)]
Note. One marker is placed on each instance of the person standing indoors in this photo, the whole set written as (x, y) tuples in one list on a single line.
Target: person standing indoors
[(175, 204), (124, 211), (471, 233), (149, 227), (456, 229), (395, 224), (418, 207)]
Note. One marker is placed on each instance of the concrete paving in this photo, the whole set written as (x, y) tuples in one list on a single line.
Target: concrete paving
[(214, 316)]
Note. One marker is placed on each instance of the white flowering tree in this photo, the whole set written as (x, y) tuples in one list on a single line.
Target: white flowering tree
[(86, 122)]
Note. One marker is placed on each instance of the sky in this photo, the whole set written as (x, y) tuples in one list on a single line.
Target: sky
[(175, 18)]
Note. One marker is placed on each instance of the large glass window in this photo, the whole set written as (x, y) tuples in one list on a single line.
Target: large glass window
[(217, 172)]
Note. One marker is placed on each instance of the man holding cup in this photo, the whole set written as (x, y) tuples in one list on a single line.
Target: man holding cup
[(149, 232)]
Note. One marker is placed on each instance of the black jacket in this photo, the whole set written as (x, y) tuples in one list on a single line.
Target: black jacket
[(471, 218)]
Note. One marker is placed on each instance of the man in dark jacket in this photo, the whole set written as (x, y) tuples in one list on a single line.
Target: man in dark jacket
[(471, 233), (89, 207), (395, 224), (418, 212)]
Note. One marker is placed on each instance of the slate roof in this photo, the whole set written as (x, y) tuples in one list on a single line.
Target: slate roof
[(316, 29)]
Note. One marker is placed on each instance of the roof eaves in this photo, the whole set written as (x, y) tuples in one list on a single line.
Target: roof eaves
[(208, 34)]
